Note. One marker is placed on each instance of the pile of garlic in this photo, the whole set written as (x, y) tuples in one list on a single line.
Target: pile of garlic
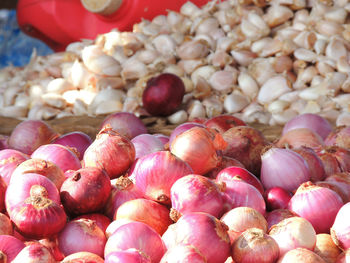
[(262, 61)]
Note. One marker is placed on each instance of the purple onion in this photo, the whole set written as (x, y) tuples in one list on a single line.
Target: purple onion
[(9, 160), (145, 144)]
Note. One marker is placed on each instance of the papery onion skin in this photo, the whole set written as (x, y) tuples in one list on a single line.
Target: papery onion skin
[(344, 257), (145, 144), (283, 168), (146, 211), (77, 140), (28, 135), (341, 180), (51, 244), (276, 216), (326, 248), (86, 257), (34, 252), (125, 123), (196, 193), (6, 227), (277, 198), (340, 136), (242, 218), (101, 220), (129, 255), (300, 137), (311, 121), (81, 235), (183, 253), (223, 122), (43, 167), (245, 144), (9, 160), (139, 236), (343, 157), (198, 147), (155, 174), (111, 152), (330, 162), (292, 233), (300, 255), (60, 155), (86, 191), (206, 233), (163, 94), (340, 231), (254, 245), (10, 246)]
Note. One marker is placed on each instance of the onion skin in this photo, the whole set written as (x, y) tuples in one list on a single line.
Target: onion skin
[(86, 191), (3, 188), (245, 144), (52, 245), (343, 257), (145, 144), (300, 255), (146, 211), (28, 135), (223, 123), (86, 257), (343, 157), (277, 198), (319, 205), (9, 160), (139, 236), (224, 163), (340, 136), (341, 227), (300, 137), (342, 180), (10, 247), (34, 252), (326, 248), (183, 253), (254, 245), (276, 216), (330, 162), (155, 174), (111, 152), (81, 235), (6, 227), (101, 220), (129, 255)]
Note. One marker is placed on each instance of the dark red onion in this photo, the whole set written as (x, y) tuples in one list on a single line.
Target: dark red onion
[(182, 128), (125, 123), (139, 236), (339, 137), (223, 123), (83, 257), (77, 140), (9, 160), (183, 253), (28, 135), (81, 235), (311, 121), (196, 193), (129, 255), (145, 144), (277, 198), (9, 247), (163, 94), (60, 155), (147, 170), (86, 191), (276, 216), (101, 220), (34, 252), (111, 152), (224, 162)]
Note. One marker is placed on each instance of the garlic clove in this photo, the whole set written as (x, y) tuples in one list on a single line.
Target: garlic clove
[(273, 88), (178, 117), (235, 102)]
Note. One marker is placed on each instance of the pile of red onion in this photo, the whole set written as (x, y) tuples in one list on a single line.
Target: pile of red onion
[(214, 191)]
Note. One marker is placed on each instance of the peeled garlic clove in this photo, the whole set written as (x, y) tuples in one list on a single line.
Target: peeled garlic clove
[(235, 102), (278, 106), (343, 119), (336, 49), (243, 57), (133, 69), (329, 28), (59, 85), (343, 65), (191, 65), (305, 39), (283, 117), (106, 95), (336, 14), (14, 111), (108, 107), (320, 46), (273, 88), (192, 50), (213, 107), (248, 85), (305, 55), (196, 110), (178, 117), (203, 72), (220, 59), (10, 95), (223, 80), (79, 108), (277, 15), (164, 44), (54, 100)]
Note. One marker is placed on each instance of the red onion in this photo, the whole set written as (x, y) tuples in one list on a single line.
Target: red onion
[(123, 189), (163, 138), (51, 244), (42, 167), (163, 94), (182, 128), (343, 257), (330, 162), (80, 257), (339, 137), (38, 217), (21, 187), (196, 193), (343, 157), (3, 188), (276, 216), (326, 248), (6, 227), (300, 255), (34, 252), (342, 180), (114, 225), (206, 233), (319, 205), (9, 160), (283, 168), (254, 245), (245, 144), (337, 187), (110, 151), (129, 255), (4, 142), (146, 211), (316, 167), (244, 194), (101, 221), (28, 135), (86, 191), (234, 173), (169, 237), (183, 253), (224, 162), (139, 236), (277, 198), (9, 247), (81, 235), (310, 121), (60, 155), (240, 219), (145, 144), (300, 137), (292, 233), (198, 147), (125, 123), (223, 123), (77, 140), (340, 230), (155, 174)]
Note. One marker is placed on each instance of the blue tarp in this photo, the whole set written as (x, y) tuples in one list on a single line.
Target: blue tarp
[(16, 47)]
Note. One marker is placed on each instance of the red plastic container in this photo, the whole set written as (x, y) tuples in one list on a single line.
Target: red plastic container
[(60, 22)]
